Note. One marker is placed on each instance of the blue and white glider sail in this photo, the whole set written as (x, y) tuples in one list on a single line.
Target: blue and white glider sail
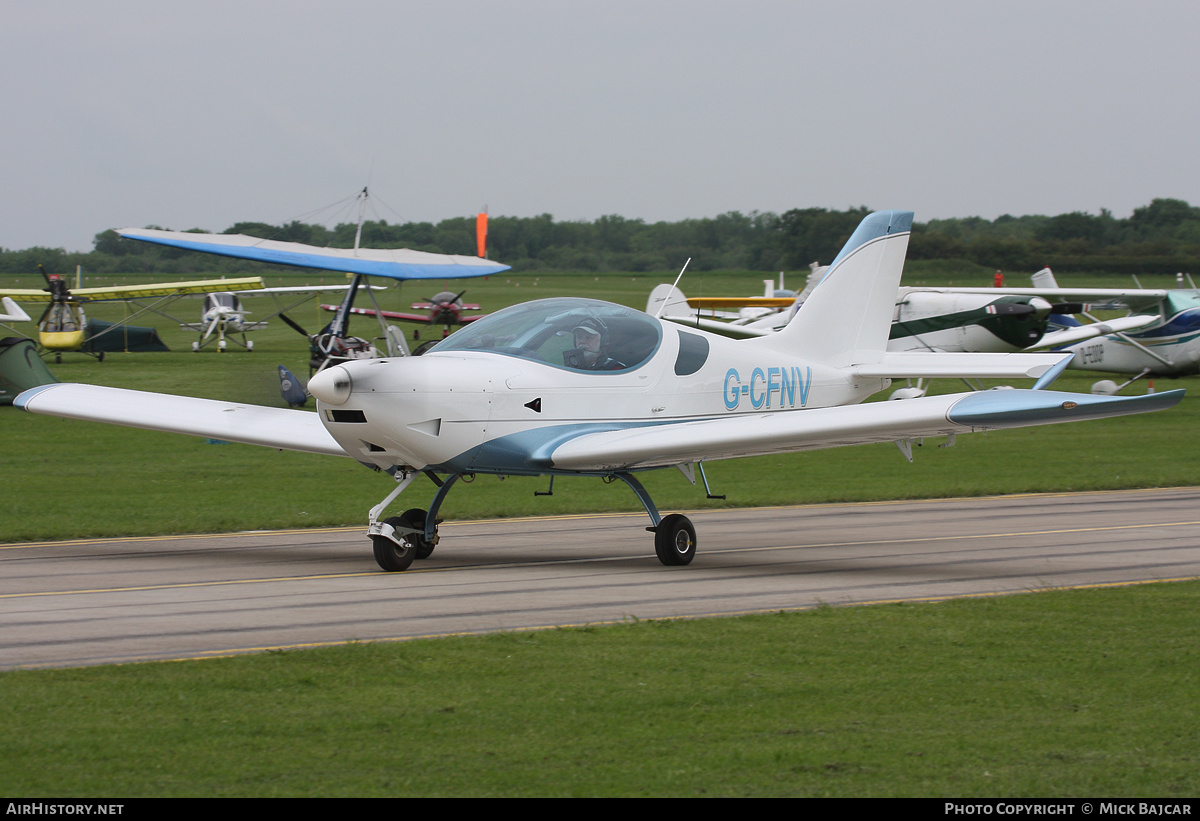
[(394, 263)]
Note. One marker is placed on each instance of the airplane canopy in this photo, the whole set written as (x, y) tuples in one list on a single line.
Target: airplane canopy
[(544, 331)]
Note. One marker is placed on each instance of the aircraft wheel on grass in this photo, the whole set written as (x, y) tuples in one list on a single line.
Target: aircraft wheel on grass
[(391, 556), (675, 540)]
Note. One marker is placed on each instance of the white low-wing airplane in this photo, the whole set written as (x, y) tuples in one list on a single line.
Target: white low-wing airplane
[(582, 387)]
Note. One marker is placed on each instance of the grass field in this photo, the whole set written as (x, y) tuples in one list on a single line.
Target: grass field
[(1078, 693), (1086, 693)]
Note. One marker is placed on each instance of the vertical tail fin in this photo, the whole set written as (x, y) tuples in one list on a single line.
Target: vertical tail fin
[(848, 317)]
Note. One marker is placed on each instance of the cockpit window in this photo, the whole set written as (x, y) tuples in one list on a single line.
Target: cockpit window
[(693, 353), (222, 300), (568, 333)]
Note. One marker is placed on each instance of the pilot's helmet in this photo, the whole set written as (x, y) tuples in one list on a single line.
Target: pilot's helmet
[(593, 326)]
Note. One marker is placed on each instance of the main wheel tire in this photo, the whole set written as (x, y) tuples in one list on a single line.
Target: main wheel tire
[(415, 518), (675, 540)]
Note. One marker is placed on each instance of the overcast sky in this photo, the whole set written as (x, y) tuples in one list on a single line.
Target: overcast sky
[(202, 114)]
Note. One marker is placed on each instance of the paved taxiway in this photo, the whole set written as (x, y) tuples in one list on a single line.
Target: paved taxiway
[(100, 601)]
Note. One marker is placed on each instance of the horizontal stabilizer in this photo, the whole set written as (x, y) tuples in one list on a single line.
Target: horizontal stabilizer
[(818, 428), (946, 365), (230, 421), (395, 263)]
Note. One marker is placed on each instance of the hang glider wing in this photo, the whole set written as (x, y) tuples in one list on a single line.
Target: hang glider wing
[(395, 263), (758, 434), (156, 289), (229, 421)]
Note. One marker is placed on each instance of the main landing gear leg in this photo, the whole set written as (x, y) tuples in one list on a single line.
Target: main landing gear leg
[(398, 540), (674, 536)]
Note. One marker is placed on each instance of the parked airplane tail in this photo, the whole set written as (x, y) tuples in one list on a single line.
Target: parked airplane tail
[(676, 302), (848, 317)]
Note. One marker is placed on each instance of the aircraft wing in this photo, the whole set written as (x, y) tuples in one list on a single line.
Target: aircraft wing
[(231, 421), (1136, 299), (310, 289), (385, 314), (1093, 329), (465, 306), (709, 302), (395, 263), (661, 445), (720, 328), (422, 318)]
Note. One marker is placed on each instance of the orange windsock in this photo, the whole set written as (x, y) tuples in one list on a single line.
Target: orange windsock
[(481, 234)]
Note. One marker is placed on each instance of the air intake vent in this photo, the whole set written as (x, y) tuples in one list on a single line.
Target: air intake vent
[(346, 416)]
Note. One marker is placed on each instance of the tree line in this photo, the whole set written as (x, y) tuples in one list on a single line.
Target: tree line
[(1161, 237)]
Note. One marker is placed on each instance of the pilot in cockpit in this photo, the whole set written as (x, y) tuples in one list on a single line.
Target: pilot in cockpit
[(591, 344)]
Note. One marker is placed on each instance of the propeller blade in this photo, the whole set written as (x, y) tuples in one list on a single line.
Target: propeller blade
[(292, 324)]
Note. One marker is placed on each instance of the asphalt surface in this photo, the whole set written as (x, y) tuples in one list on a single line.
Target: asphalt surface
[(104, 601)]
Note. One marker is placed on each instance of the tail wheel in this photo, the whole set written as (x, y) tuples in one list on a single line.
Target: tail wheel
[(675, 540)]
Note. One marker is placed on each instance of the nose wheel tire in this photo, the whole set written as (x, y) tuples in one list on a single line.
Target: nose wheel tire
[(675, 540), (415, 518), (394, 556)]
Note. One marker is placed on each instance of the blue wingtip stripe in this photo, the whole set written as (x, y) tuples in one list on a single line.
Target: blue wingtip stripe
[(23, 398), (1000, 409)]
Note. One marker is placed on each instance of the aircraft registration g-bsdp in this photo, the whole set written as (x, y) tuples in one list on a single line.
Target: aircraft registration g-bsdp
[(582, 387)]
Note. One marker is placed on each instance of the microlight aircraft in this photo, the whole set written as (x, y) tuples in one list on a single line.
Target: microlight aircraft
[(519, 393), (63, 325)]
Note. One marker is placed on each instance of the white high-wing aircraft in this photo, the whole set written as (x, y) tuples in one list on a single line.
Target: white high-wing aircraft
[(977, 320), (1160, 337), (581, 387)]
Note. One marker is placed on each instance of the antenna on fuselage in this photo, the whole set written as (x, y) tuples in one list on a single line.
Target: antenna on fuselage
[(673, 287)]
